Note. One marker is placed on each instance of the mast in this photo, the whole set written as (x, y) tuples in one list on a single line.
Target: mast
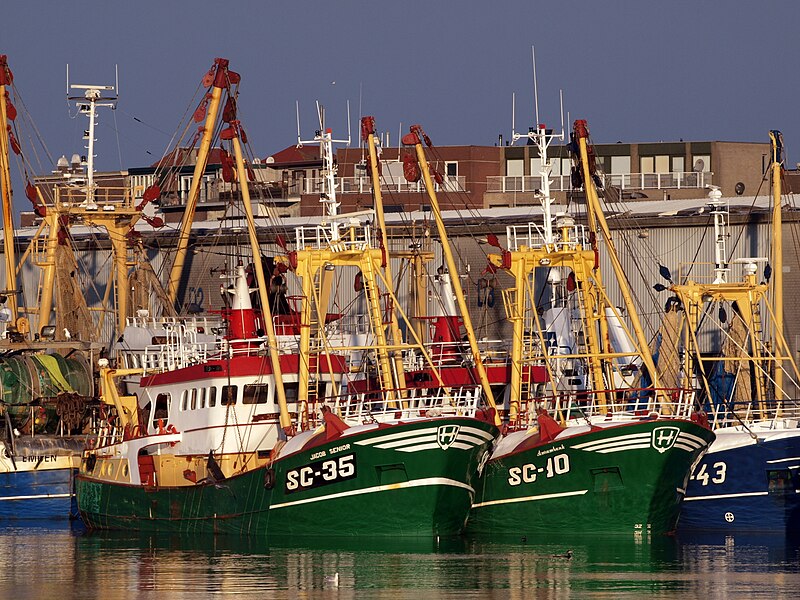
[(6, 77), (221, 79), (415, 138), (266, 313), (776, 140), (368, 134), (581, 132), (118, 218)]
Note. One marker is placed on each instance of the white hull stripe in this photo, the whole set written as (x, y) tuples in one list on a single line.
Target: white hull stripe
[(638, 446), (639, 441), (39, 497), (479, 432), (429, 481), (625, 439), (428, 437), (685, 437), (722, 496), (434, 446), (529, 498), (462, 437), (777, 460), (683, 446), (403, 435)]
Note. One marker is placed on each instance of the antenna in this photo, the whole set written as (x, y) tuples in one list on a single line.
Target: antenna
[(348, 123), (324, 137), (297, 110), (513, 115), (88, 102), (535, 87), (561, 102)]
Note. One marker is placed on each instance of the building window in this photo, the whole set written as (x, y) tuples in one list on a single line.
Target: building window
[(662, 163), (515, 168), (647, 164), (451, 169), (678, 164), (621, 165), (701, 163)]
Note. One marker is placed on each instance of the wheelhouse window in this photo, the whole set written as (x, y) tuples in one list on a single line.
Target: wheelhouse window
[(161, 412), (229, 394), (256, 393), (212, 397), (292, 391)]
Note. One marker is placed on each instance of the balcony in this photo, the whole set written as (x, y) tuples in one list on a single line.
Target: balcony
[(659, 181), (363, 185), (527, 183), (627, 181)]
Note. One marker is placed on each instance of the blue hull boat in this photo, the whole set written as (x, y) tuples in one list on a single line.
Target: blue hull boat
[(749, 481)]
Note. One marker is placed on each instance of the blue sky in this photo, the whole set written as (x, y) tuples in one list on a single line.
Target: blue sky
[(637, 71)]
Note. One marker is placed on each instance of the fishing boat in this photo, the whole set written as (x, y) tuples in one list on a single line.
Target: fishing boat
[(728, 326), (267, 433), (591, 441), (47, 360)]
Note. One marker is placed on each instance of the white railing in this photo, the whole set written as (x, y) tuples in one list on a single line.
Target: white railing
[(418, 402), (363, 185), (623, 181), (351, 236), (526, 183), (658, 181), (532, 236)]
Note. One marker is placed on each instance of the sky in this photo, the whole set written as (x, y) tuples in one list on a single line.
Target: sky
[(637, 71)]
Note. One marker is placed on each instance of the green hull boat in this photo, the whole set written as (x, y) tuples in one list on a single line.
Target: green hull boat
[(414, 478), (616, 478)]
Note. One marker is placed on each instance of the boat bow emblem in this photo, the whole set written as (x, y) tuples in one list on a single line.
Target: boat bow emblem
[(446, 435), (664, 438)]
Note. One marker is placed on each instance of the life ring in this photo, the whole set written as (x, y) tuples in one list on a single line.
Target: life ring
[(171, 429), (269, 478)]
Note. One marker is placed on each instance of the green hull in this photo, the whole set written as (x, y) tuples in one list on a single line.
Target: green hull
[(408, 479), (626, 478)]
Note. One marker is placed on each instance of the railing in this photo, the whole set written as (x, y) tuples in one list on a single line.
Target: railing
[(376, 406), (103, 196), (747, 413), (526, 183), (351, 236), (658, 181), (363, 185), (620, 405), (532, 236), (623, 181), (706, 272)]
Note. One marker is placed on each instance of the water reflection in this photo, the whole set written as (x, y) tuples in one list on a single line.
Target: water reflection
[(82, 564)]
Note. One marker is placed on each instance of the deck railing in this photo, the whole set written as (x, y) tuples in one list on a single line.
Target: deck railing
[(625, 181)]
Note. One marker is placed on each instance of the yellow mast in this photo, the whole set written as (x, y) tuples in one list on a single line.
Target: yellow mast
[(5, 183), (368, 133), (776, 140), (415, 138), (220, 71), (595, 211), (266, 313)]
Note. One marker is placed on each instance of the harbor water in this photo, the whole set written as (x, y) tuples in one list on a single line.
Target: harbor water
[(65, 561)]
